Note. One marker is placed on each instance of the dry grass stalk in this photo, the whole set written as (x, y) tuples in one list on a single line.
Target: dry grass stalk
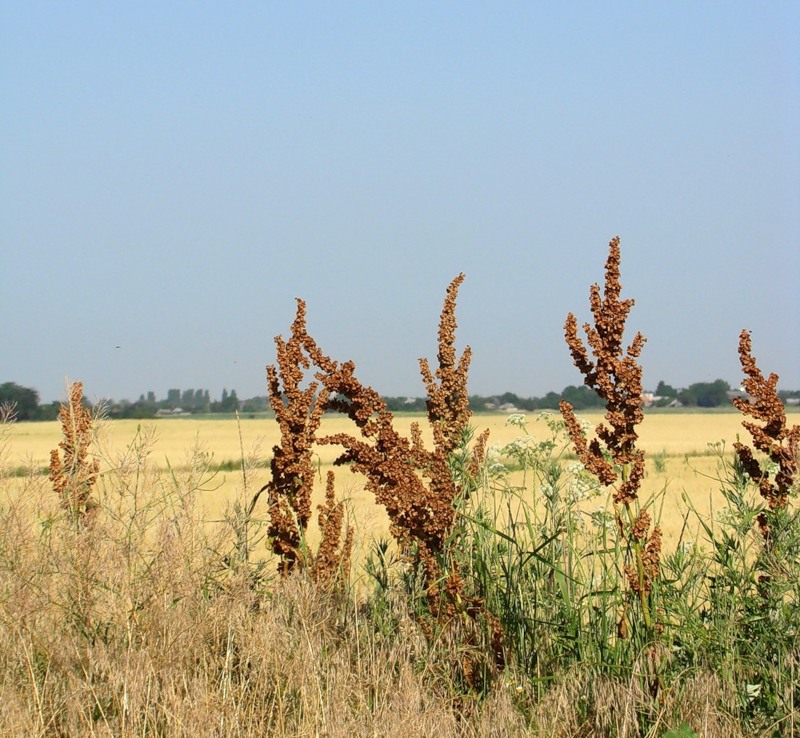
[(774, 438), (616, 376), (74, 476)]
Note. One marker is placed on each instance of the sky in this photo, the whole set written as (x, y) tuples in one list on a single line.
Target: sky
[(174, 174)]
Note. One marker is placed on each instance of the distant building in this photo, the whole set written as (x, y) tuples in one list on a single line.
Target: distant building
[(171, 411)]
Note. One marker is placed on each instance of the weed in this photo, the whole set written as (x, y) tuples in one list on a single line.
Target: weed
[(613, 456), (74, 475)]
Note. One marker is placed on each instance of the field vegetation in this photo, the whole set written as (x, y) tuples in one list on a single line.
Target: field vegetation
[(347, 571)]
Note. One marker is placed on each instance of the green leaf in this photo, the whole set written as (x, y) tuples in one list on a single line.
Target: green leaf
[(682, 731)]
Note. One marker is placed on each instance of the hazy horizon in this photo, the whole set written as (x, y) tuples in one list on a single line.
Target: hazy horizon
[(173, 176)]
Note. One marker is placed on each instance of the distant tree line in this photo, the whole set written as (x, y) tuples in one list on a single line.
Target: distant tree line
[(699, 394), (27, 406), (24, 403), (187, 401)]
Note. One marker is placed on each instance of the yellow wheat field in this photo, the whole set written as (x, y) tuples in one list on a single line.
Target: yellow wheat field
[(680, 461)]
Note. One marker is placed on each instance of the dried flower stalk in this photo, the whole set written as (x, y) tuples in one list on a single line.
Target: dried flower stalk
[(773, 438), (331, 565), (299, 413), (641, 581), (448, 400), (74, 476), (414, 484), (616, 376)]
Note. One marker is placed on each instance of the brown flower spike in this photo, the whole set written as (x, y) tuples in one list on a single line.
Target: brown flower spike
[(616, 376), (74, 476), (299, 413), (448, 400), (414, 484), (331, 565), (773, 438)]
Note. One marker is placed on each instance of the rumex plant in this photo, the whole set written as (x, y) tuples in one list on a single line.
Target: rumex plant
[(73, 477), (416, 485), (616, 376), (775, 476), (330, 567), (774, 439), (298, 412)]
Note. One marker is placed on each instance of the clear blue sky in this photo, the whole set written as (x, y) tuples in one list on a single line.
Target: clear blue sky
[(173, 174)]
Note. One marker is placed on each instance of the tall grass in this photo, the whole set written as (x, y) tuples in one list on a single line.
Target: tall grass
[(524, 592)]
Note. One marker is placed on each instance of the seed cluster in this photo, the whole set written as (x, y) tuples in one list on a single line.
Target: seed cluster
[(74, 476), (641, 583), (414, 484), (448, 400), (298, 412), (773, 438), (612, 456), (615, 377), (331, 566)]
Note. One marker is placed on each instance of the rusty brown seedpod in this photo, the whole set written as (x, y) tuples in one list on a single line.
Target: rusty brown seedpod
[(331, 565), (641, 576), (773, 437), (73, 476), (614, 373), (298, 412), (448, 400), (617, 378), (415, 485)]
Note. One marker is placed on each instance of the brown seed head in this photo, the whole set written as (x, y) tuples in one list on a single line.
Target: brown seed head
[(448, 399), (73, 474), (616, 377), (298, 412), (773, 437)]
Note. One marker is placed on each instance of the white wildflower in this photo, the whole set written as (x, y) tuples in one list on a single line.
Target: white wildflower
[(602, 520), (578, 520)]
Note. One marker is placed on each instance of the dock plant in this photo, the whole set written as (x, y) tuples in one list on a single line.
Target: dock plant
[(418, 487), (73, 472), (525, 591), (778, 442), (298, 411), (613, 456)]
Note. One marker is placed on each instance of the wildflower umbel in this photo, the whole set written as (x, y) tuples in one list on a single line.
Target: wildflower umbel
[(773, 438), (616, 376), (74, 476)]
